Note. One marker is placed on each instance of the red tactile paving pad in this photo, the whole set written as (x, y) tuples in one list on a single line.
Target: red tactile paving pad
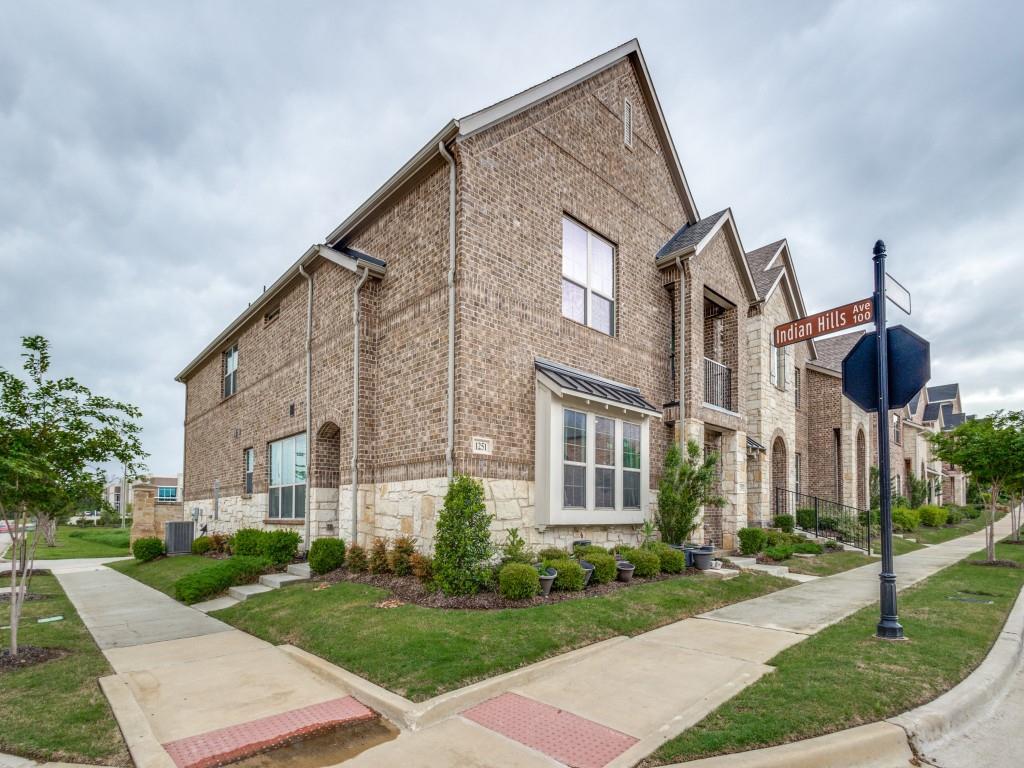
[(566, 737), (238, 741)]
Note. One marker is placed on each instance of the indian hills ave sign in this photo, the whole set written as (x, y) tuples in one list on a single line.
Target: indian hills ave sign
[(829, 321)]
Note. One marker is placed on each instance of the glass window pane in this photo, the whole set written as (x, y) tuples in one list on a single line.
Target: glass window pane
[(630, 490), (604, 441), (574, 492), (574, 302), (287, 497), (276, 450), (604, 488), (602, 268), (574, 251), (288, 462), (630, 445), (601, 314), (300, 501), (300, 458), (575, 435), (275, 502)]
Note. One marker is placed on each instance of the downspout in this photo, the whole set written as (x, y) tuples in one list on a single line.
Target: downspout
[(309, 397), (449, 456), (355, 403), (682, 353)]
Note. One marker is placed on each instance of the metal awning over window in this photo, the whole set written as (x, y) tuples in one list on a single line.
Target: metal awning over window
[(754, 446), (594, 387)]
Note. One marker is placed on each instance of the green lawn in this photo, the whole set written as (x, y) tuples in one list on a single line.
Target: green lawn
[(939, 535), (55, 710), (949, 627), (161, 574), (86, 542), (828, 563), (899, 546)]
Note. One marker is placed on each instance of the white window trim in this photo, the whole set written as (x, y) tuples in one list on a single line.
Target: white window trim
[(588, 291), (167, 499), (300, 513)]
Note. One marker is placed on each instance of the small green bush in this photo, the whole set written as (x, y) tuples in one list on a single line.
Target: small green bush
[(785, 522), (827, 523), (604, 566), (205, 584), (221, 543), (808, 548), (590, 550), (752, 540), (553, 553), (248, 542), (518, 581), (202, 545), (954, 515), (401, 552), (932, 516), (379, 562), (462, 544), (514, 550), (326, 555), (973, 511), (833, 546), (355, 560), (805, 518), (774, 538), (670, 560), (570, 574), (778, 553), (280, 547), (647, 562), (422, 566), (147, 548), (905, 520)]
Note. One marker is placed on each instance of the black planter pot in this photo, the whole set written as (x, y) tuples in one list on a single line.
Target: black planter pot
[(588, 571), (624, 570), (580, 543), (703, 556), (547, 578), (689, 549)]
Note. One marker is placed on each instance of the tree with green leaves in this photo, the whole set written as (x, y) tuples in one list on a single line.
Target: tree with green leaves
[(54, 433), (687, 485), (991, 451), (1014, 486), (462, 543), (917, 489)]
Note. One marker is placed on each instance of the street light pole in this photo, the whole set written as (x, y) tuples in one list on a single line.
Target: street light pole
[(889, 626)]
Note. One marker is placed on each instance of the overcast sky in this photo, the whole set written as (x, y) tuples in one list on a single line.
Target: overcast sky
[(161, 162)]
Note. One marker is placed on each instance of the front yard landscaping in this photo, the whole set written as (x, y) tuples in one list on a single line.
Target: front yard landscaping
[(828, 563), (937, 535), (74, 542), (164, 573), (951, 620), (54, 710)]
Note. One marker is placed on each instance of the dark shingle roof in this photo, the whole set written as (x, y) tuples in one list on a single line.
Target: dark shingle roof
[(758, 260), (912, 405), (943, 392), (931, 411), (689, 235), (833, 349), (953, 420), (589, 385)]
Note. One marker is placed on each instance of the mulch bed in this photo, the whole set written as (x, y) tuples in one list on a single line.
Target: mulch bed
[(996, 563), (28, 655), (408, 589), (5, 597)]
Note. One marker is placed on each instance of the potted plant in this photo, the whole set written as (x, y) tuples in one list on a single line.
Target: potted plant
[(547, 578), (580, 543), (588, 571), (687, 485), (624, 570), (702, 556)]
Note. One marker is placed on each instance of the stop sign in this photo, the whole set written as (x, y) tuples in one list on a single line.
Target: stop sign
[(909, 368)]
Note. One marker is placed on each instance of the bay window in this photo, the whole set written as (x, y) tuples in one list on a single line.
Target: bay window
[(288, 477)]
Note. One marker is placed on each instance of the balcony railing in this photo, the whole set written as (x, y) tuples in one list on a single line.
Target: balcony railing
[(717, 384)]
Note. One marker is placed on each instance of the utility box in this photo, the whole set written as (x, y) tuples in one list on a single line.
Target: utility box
[(178, 536)]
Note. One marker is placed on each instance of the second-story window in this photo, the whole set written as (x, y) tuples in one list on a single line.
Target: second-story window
[(166, 493), (777, 365), (231, 371), (588, 278), (897, 429), (796, 388), (250, 464)]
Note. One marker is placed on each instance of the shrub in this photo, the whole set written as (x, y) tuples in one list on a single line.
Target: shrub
[(647, 562), (785, 522), (687, 484), (833, 545), (401, 553), (604, 566), (518, 581), (805, 518), (248, 542), (669, 560), (463, 540), (774, 538), (874, 515), (202, 585), (514, 549), (972, 511), (905, 520), (827, 523), (933, 516), (808, 548), (379, 557), (147, 548), (590, 550), (954, 515), (778, 553), (355, 560), (280, 547), (570, 574), (202, 545), (326, 555), (752, 540), (422, 566), (554, 553), (219, 542)]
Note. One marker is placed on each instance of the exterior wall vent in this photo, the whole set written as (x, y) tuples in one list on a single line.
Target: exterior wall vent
[(627, 122)]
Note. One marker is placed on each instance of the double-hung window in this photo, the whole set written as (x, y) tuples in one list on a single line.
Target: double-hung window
[(777, 365), (574, 469), (630, 465), (588, 277), (231, 371), (288, 478), (593, 475), (166, 493), (250, 464)]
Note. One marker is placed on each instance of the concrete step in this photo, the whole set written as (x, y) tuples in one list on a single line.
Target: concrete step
[(300, 569), (246, 591), (720, 573), (216, 604), (278, 580)]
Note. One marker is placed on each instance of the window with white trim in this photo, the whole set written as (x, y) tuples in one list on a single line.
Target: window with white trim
[(288, 477), (574, 470), (250, 464), (167, 493), (592, 475), (588, 277), (777, 365), (231, 371), (631, 434), (798, 461)]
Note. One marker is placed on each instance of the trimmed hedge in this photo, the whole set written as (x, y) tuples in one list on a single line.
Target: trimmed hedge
[(570, 574), (518, 581), (205, 584), (752, 540), (147, 548), (670, 560), (905, 520), (280, 547), (554, 553), (805, 518), (604, 566), (932, 516), (779, 553), (646, 562), (202, 545), (326, 555), (590, 549), (785, 522), (248, 542), (400, 557)]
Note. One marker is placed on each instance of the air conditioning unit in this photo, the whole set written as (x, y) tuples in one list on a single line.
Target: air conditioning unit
[(178, 536)]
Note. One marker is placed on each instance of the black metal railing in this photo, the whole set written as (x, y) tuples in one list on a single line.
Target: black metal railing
[(826, 519), (717, 384)]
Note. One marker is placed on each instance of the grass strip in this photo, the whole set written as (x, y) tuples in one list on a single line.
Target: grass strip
[(74, 542), (162, 574)]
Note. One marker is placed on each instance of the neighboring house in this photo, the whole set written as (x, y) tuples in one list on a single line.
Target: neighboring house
[(168, 490)]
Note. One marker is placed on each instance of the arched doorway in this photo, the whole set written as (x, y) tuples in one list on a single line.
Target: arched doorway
[(326, 459), (862, 470), (779, 478)]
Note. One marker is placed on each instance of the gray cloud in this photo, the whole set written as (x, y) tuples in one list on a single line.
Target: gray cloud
[(160, 164)]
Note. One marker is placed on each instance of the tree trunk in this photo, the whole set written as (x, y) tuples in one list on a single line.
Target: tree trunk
[(990, 532), (49, 527)]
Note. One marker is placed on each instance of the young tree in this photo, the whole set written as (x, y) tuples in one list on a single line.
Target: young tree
[(917, 489), (686, 486), (53, 433), (1014, 486), (991, 451)]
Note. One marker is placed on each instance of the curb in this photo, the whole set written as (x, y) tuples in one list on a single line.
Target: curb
[(143, 746)]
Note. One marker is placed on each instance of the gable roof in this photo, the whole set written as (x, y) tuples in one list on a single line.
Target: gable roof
[(932, 411), (942, 393), (689, 236), (765, 268), (833, 349), (591, 386)]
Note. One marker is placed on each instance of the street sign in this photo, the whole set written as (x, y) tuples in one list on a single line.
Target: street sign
[(909, 369), (830, 321), (897, 293)]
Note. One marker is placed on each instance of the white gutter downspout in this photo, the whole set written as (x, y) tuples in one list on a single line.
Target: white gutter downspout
[(449, 456), (309, 395), (682, 353), (355, 404)]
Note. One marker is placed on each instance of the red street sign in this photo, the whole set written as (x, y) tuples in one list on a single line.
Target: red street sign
[(830, 321)]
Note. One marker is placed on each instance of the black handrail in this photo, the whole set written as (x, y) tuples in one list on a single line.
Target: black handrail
[(826, 519)]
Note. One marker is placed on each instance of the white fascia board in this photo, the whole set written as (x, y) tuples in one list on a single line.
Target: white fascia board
[(562, 392), (741, 256)]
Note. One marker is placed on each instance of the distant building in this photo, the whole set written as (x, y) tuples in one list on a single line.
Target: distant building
[(168, 490)]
